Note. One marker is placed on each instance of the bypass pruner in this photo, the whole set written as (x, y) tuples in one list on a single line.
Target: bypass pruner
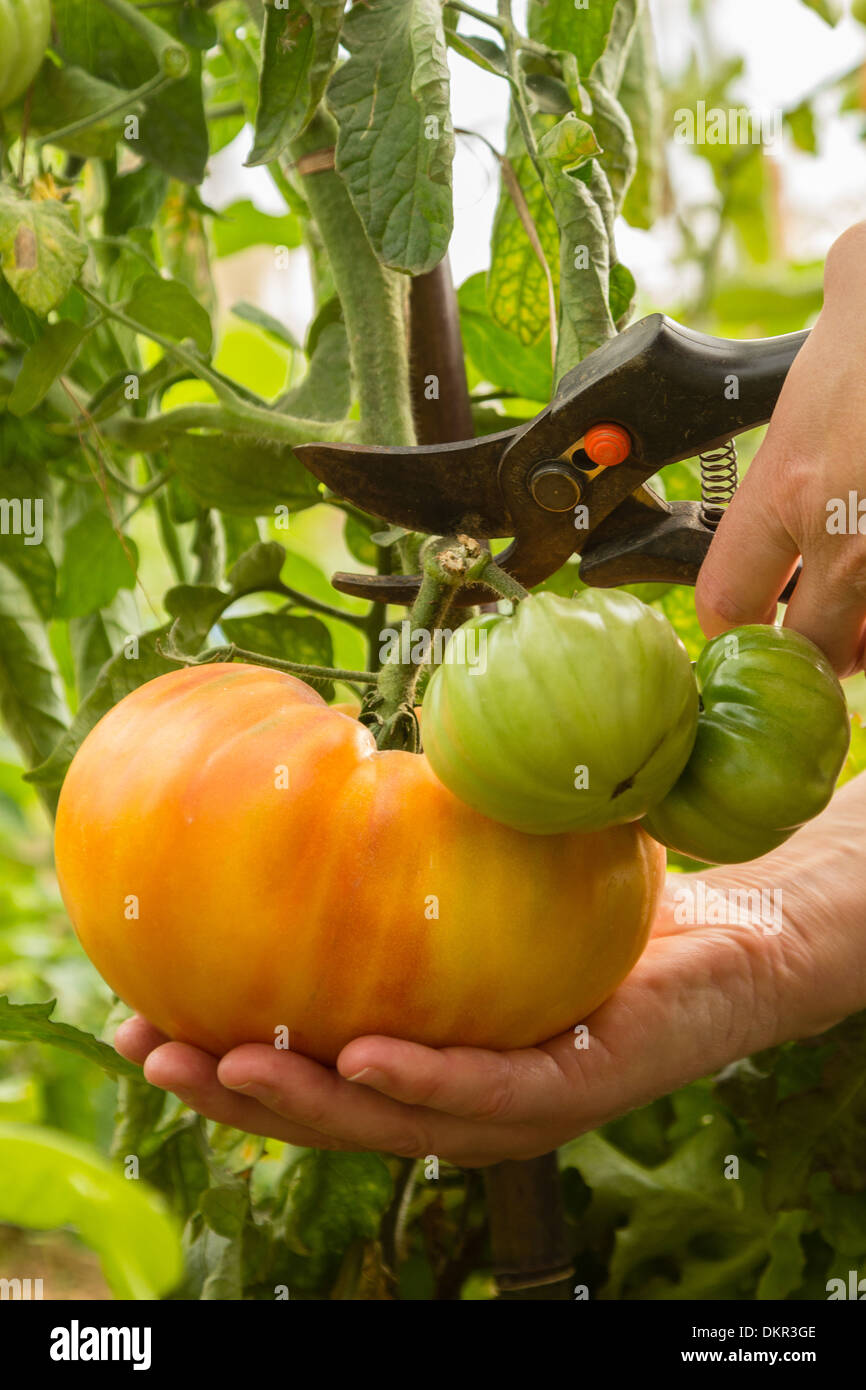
[(573, 480)]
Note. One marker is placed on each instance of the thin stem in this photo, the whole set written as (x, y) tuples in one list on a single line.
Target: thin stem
[(157, 431), (294, 668), (121, 103), (315, 605), (504, 584)]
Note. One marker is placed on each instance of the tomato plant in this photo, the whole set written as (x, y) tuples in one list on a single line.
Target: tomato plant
[(772, 737), (218, 220), (575, 714)]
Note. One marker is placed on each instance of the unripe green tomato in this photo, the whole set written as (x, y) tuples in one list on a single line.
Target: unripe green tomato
[(574, 714), (772, 737), (25, 28)]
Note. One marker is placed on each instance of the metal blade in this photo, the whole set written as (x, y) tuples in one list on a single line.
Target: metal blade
[(438, 488)]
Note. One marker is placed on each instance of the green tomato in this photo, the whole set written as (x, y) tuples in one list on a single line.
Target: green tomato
[(772, 737), (25, 28), (574, 714)]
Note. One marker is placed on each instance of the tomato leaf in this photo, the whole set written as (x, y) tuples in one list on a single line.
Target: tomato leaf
[(172, 132), (40, 253), (285, 637), (641, 96), (135, 199), (242, 224), (139, 661), (258, 568), (171, 310), (32, 700), (299, 51), (497, 353), (325, 393), (32, 1023), (43, 363), (238, 475), (96, 563), (395, 141)]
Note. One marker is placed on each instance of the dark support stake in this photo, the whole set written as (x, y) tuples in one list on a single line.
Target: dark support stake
[(531, 1258), (437, 374), (527, 1225)]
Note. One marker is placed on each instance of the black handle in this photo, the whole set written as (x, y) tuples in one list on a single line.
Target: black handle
[(677, 391)]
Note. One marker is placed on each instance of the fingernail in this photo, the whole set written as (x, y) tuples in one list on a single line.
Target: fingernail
[(369, 1075)]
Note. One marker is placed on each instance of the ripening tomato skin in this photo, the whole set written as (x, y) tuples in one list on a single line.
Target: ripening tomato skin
[(574, 714), (772, 736), (362, 898), (25, 28)]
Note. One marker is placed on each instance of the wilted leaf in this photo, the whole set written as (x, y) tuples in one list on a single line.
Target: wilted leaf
[(40, 253)]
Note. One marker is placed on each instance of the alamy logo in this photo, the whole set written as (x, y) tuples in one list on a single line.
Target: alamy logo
[(417, 647), (855, 1288), (703, 905), (22, 516), (23, 1289), (77, 1343), (732, 125)]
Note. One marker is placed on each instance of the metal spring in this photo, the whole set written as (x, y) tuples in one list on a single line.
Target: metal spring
[(719, 478)]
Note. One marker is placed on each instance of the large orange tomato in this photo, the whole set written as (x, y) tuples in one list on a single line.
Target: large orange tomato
[(239, 858)]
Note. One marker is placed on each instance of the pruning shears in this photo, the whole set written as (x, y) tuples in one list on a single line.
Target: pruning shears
[(573, 480)]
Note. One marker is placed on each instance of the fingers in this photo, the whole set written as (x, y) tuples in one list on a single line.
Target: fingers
[(829, 604), (750, 560), (192, 1076), (468, 1082), (135, 1039)]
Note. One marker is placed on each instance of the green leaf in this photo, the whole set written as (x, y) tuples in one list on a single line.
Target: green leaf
[(48, 1181), (251, 313), (583, 32), (336, 1198), (517, 291), (195, 608), (135, 199), (238, 475), (640, 94), (25, 510), (43, 363), (483, 52), (196, 27), (32, 1023), (64, 95), (32, 700), (621, 294), (286, 638), (171, 310), (325, 393), (357, 534), (855, 763), (20, 322), (96, 563), (172, 132), (140, 661), (395, 141), (259, 568), (820, 1127), (829, 10), (242, 224), (801, 123), (40, 253), (95, 638), (299, 51), (497, 354)]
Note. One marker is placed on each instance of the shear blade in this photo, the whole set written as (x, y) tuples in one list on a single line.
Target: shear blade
[(437, 488)]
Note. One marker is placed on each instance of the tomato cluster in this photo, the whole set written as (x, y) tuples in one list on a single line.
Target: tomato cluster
[(581, 713)]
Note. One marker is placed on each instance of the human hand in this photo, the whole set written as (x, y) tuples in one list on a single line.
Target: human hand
[(814, 451), (699, 998)]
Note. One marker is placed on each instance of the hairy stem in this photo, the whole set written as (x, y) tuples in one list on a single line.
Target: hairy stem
[(372, 296)]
